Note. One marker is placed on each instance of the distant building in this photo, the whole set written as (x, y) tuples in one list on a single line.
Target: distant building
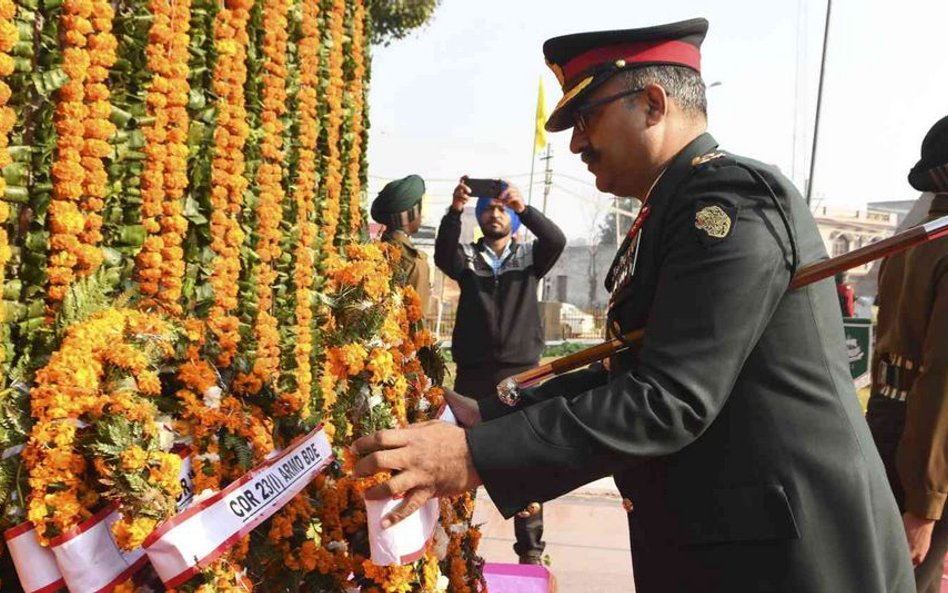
[(844, 230), (578, 276), (900, 208)]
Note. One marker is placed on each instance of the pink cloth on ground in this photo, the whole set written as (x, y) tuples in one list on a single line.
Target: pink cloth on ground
[(518, 578)]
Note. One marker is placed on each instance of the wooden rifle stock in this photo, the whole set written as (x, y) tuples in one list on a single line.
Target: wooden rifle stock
[(806, 275)]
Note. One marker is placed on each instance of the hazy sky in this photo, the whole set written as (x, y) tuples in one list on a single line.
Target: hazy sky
[(459, 96)]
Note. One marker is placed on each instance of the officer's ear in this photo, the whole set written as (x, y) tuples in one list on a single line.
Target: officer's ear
[(657, 102)]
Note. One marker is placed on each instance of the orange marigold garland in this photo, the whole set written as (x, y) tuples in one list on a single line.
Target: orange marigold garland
[(461, 564), (357, 102), (8, 38), (103, 374), (217, 423), (228, 183), (68, 253), (160, 263), (270, 182), (99, 130), (304, 197), (208, 412), (333, 177), (370, 379)]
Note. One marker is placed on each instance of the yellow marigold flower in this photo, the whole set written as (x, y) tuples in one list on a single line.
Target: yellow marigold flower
[(134, 458), (165, 474), (381, 364), (7, 9), (130, 533), (126, 587)]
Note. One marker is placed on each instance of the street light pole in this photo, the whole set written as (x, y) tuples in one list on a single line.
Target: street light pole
[(547, 184), (547, 174), (819, 104)]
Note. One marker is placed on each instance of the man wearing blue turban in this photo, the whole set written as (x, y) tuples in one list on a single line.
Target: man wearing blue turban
[(498, 332), (481, 207)]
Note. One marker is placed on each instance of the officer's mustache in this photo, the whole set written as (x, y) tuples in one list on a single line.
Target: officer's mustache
[(589, 155)]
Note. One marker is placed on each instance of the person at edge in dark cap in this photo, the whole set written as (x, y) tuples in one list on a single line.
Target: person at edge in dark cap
[(734, 430), (908, 406), (398, 207)]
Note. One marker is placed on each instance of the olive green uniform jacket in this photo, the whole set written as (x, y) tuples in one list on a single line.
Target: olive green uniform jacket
[(735, 431), (414, 264)]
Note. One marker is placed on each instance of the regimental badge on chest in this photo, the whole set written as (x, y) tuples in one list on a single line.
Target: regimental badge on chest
[(714, 221)]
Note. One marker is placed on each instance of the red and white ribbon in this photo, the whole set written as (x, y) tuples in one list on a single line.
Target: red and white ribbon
[(86, 559), (35, 565), (188, 542), (90, 559), (406, 541)]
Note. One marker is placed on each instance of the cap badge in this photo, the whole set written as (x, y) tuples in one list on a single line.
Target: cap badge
[(714, 221), (620, 63), (574, 91)]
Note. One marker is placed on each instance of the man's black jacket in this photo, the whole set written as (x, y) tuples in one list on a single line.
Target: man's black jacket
[(498, 320)]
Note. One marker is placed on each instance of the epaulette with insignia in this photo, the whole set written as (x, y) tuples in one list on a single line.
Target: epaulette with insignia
[(700, 160)]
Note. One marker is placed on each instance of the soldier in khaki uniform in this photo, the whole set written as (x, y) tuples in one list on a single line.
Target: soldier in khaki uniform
[(908, 409), (398, 207)]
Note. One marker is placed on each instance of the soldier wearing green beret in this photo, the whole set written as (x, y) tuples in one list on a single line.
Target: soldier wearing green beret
[(398, 207), (734, 430)]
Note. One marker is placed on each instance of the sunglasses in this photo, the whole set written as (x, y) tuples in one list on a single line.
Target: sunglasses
[(582, 113)]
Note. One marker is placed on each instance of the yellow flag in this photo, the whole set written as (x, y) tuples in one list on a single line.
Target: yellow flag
[(539, 139)]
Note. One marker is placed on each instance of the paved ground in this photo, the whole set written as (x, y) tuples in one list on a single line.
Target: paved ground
[(586, 539)]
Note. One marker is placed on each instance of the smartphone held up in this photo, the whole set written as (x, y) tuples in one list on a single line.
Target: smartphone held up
[(484, 188)]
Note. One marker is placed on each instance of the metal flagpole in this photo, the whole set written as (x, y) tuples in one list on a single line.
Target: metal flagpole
[(533, 163), (548, 174)]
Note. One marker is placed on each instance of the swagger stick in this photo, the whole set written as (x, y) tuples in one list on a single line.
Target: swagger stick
[(508, 389), (917, 234)]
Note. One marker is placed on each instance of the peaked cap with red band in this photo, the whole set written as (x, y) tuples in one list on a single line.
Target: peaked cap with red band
[(584, 61)]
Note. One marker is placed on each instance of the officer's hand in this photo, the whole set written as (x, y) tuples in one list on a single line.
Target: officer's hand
[(431, 459), (919, 533), (465, 409), (462, 194), (513, 198)]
